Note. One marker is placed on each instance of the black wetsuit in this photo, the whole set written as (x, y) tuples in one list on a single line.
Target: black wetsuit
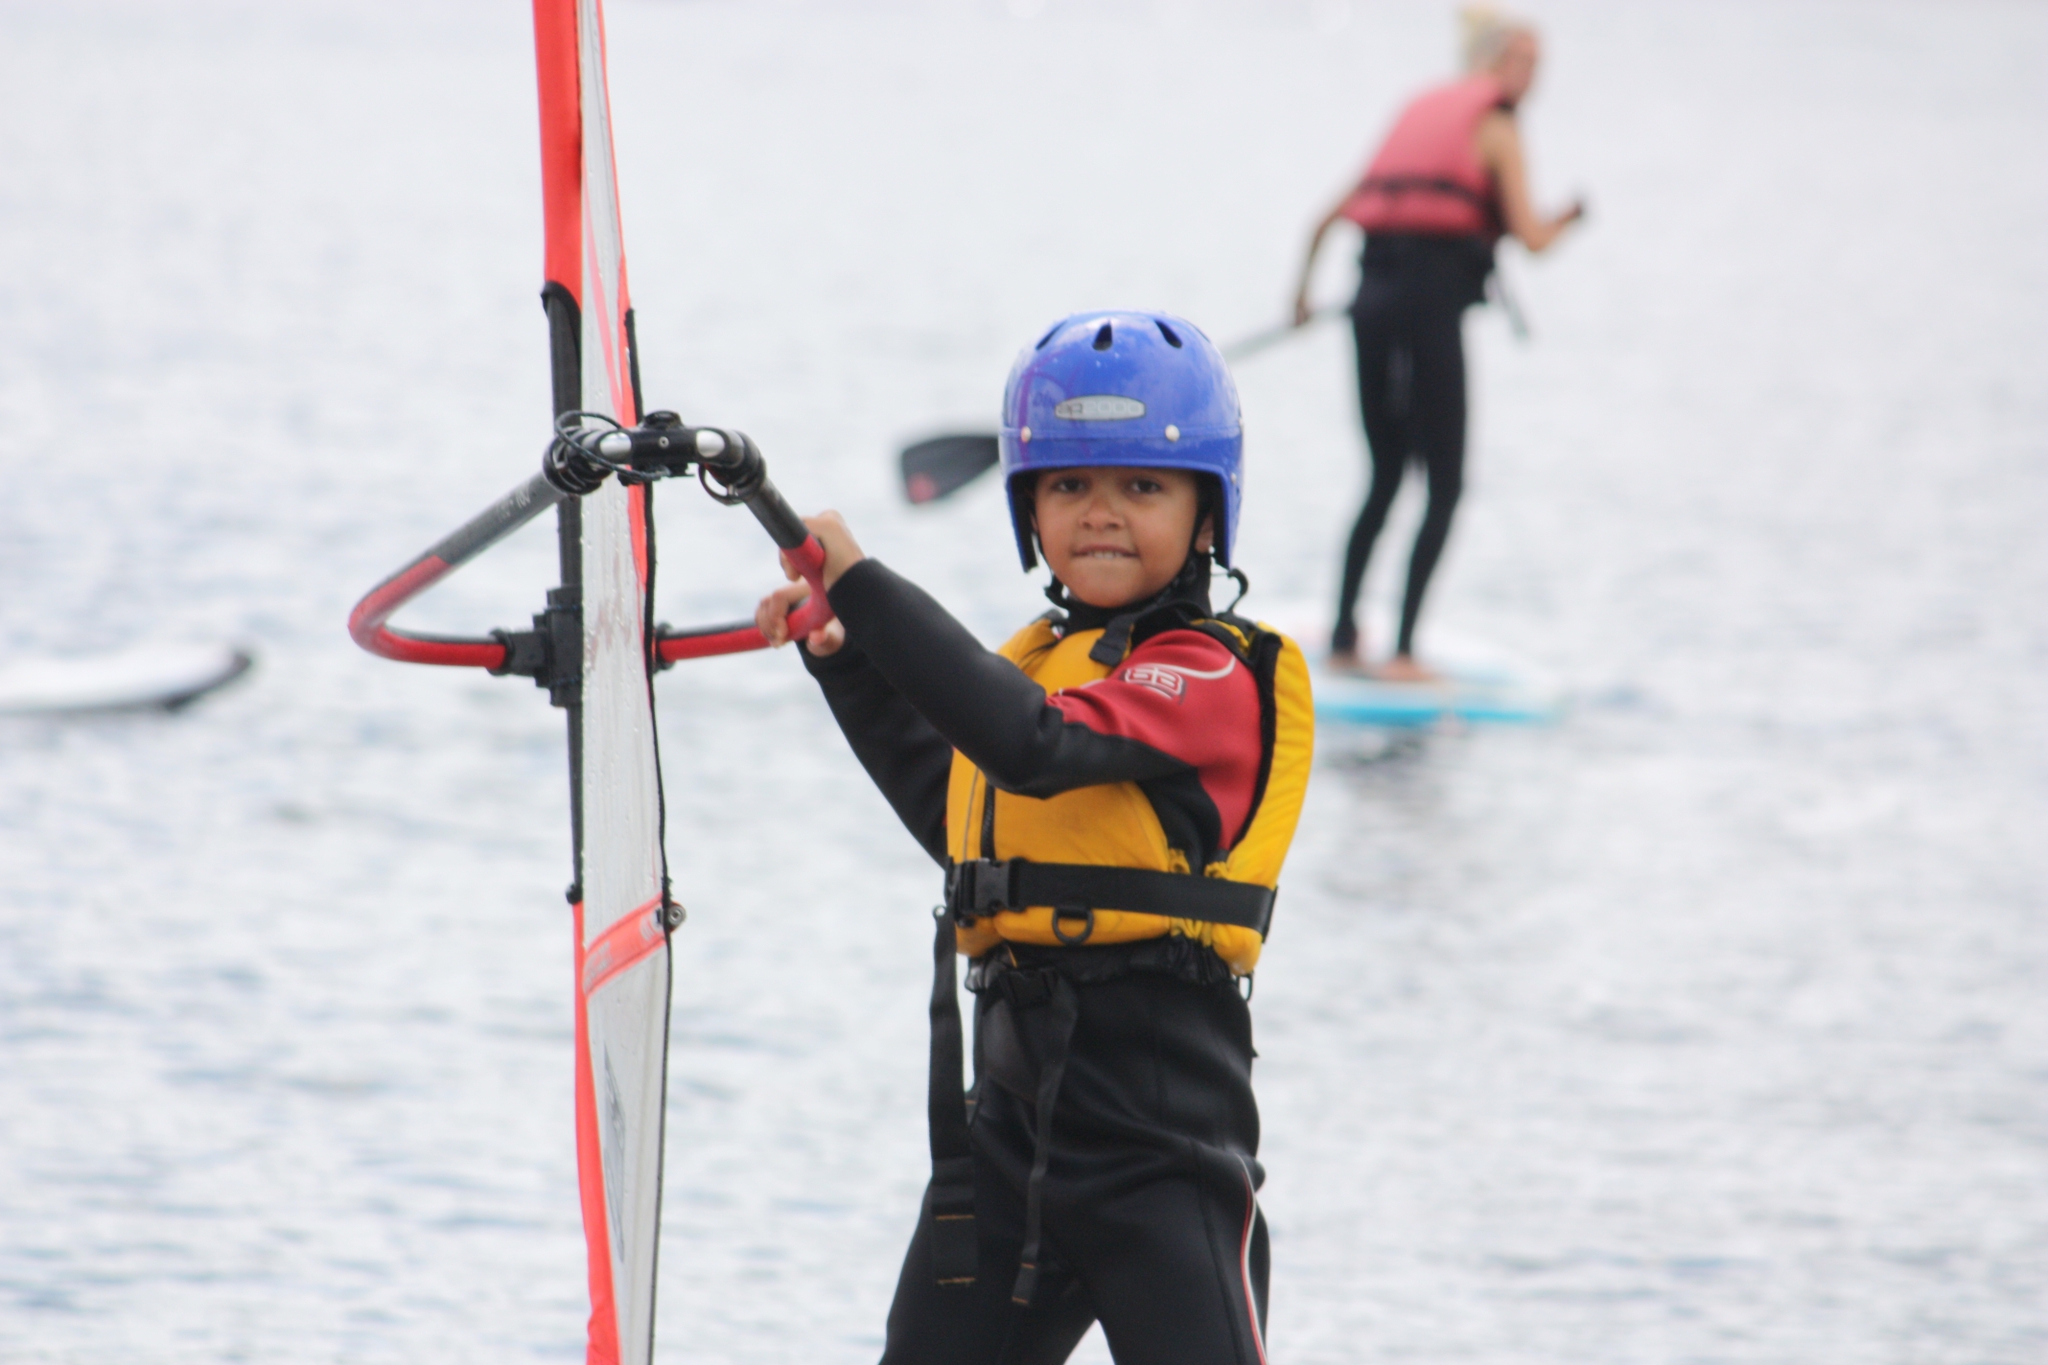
[(1151, 1224), (1408, 322)]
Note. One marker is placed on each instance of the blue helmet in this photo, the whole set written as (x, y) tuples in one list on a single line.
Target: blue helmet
[(1139, 389)]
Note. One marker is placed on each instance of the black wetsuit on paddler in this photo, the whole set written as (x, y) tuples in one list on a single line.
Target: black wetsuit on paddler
[(1443, 188)]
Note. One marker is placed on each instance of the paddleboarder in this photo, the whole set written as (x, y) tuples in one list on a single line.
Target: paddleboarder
[(1111, 795), (1446, 184)]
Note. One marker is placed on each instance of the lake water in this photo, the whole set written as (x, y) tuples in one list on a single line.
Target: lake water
[(1707, 1025)]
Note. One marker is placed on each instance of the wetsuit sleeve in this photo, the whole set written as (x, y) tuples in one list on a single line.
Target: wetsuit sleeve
[(907, 759), (1179, 708)]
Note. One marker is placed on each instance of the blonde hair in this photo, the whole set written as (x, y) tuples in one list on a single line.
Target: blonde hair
[(1485, 32)]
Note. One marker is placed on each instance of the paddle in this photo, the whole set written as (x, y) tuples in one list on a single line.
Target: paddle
[(941, 466)]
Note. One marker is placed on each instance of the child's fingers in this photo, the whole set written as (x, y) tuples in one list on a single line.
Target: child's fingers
[(770, 621), (842, 552), (771, 618), (826, 639)]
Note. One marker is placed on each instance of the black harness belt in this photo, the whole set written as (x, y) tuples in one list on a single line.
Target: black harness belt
[(1077, 890)]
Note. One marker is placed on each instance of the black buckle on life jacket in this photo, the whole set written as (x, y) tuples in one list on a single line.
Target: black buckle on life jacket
[(980, 887)]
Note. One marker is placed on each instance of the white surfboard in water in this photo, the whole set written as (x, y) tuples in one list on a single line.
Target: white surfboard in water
[(156, 677)]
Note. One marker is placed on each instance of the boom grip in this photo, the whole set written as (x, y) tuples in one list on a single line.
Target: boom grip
[(808, 559), (780, 520)]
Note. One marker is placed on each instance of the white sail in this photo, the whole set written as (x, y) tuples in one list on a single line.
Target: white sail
[(622, 959)]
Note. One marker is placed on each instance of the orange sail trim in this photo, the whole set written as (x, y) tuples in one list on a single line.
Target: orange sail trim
[(621, 946)]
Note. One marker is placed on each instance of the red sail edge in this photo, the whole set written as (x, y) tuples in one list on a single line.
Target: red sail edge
[(561, 142)]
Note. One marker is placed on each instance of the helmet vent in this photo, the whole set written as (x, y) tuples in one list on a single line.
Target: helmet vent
[(1104, 337), (1047, 337), (1172, 339)]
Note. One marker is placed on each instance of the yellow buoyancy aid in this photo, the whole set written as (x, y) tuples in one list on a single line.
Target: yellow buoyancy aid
[(1114, 825)]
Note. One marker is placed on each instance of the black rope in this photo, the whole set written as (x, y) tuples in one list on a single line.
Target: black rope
[(577, 435)]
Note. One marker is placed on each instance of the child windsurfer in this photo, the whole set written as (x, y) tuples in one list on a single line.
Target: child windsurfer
[(1112, 795)]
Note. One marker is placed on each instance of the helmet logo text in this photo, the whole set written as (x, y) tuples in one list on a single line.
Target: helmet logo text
[(1099, 407)]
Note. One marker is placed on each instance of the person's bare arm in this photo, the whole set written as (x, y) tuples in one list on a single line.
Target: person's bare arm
[(1500, 150), (1303, 310)]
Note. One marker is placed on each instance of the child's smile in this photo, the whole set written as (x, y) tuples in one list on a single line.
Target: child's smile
[(1117, 535)]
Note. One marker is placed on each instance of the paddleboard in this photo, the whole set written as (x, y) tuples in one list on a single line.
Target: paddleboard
[(158, 677), (1478, 682), (1481, 696)]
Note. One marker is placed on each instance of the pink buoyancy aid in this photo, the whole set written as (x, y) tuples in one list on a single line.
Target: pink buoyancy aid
[(1427, 177)]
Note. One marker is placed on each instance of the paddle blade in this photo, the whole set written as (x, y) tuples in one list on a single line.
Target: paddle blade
[(941, 466)]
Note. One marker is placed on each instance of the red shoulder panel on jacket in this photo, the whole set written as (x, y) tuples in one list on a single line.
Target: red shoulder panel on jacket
[(1183, 693)]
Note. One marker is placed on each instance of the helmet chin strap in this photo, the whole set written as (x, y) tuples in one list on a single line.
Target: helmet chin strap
[(1244, 585), (1205, 513), (1190, 586)]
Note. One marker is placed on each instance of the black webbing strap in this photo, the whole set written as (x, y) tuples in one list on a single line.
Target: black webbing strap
[(1405, 184), (951, 1201), (1066, 1009), (1431, 184), (986, 885)]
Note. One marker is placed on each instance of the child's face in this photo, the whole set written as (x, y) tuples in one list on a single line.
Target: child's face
[(1118, 535)]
